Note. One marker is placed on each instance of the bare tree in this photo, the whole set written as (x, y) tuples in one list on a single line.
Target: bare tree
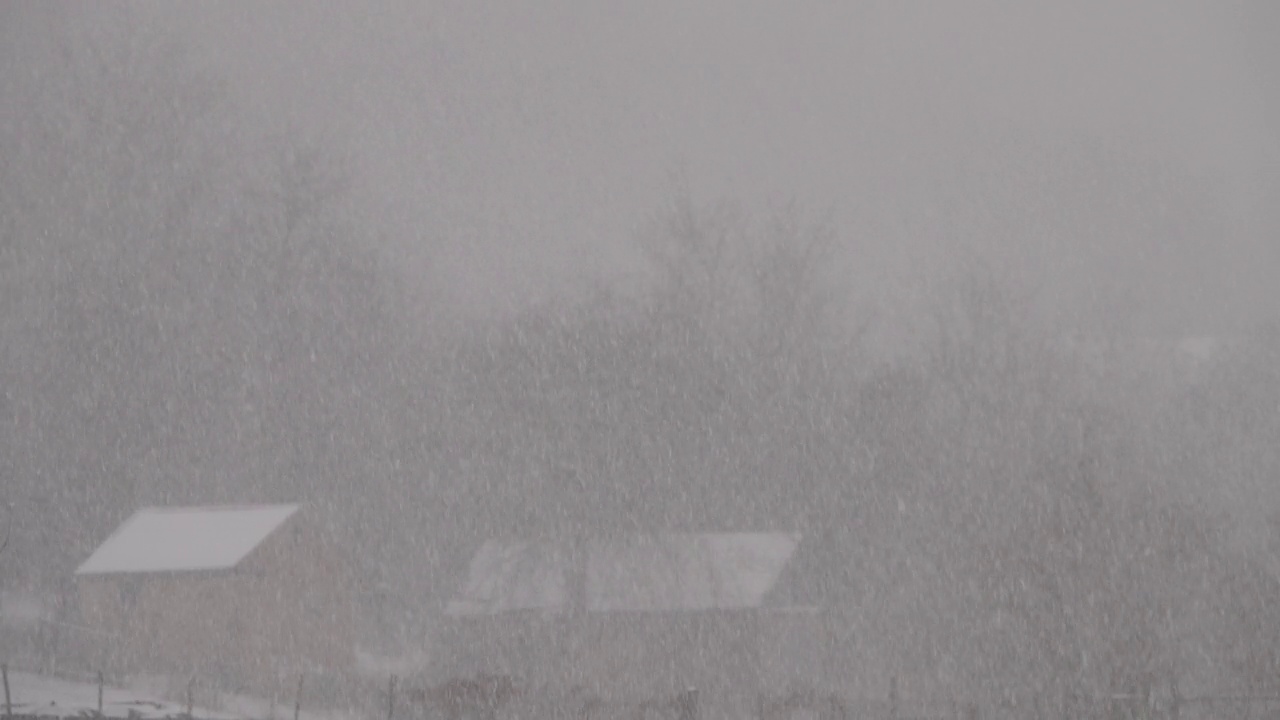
[(1018, 483), (705, 405), (197, 307)]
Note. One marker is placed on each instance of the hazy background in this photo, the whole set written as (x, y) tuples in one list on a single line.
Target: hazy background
[(504, 149), (196, 311)]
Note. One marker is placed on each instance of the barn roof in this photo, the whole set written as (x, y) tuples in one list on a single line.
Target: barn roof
[(669, 572), (185, 539)]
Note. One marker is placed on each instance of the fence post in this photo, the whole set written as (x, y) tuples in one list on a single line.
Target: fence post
[(297, 702), (687, 702), (391, 697), (191, 697), (8, 700), (99, 692), (893, 697)]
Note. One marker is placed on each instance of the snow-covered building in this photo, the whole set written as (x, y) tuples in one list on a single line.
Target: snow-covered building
[(244, 596), (639, 617)]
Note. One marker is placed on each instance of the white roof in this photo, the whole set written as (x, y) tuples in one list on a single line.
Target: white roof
[(506, 577), (642, 574), (185, 539), (687, 572)]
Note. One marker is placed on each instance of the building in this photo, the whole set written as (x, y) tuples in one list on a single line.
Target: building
[(722, 612), (245, 597)]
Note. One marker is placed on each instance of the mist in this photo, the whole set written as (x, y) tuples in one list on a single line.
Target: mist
[(544, 135), (977, 298)]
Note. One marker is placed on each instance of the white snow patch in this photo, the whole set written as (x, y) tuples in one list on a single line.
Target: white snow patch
[(57, 697)]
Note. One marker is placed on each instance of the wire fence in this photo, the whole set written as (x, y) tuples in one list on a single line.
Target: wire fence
[(802, 704), (498, 697)]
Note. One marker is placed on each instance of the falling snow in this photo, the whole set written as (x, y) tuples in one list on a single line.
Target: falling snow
[(848, 358)]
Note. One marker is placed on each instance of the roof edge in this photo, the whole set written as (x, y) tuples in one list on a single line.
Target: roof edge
[(215, 508), (167, 509)]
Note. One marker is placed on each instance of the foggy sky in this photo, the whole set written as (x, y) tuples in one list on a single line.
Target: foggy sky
[(506, 148), (1123, 160)]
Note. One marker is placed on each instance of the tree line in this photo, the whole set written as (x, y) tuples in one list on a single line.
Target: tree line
[(193, 312)]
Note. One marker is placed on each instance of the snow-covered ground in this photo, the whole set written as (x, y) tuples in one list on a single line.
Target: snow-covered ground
[(42, 695), (57, 697)]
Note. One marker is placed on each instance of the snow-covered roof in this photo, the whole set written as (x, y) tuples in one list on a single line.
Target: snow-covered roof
[(185, 539), (507, 577), (643, 574)]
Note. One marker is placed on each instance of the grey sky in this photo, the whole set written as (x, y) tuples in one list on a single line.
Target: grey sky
[(507, 147)]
